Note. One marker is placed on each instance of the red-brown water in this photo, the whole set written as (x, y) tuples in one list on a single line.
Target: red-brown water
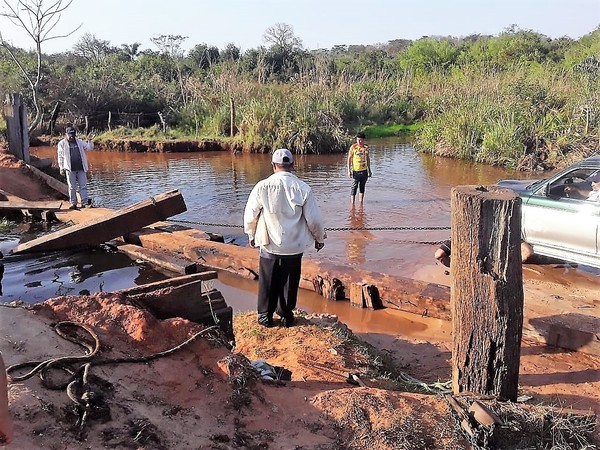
[(407, 189)]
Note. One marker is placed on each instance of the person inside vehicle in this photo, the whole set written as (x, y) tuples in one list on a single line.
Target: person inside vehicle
[(592, 194)]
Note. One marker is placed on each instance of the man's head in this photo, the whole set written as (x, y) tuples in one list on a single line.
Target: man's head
[(282, 159), (360, 137), (595, 180), (71, 133)]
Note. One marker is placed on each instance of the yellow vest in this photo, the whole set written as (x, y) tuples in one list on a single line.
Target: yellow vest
[(359, 157)]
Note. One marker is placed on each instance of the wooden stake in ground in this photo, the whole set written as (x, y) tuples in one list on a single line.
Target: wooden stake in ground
[(487, 290)]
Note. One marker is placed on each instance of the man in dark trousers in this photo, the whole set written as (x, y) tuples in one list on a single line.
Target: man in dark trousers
[(283, 219), (73, 164)]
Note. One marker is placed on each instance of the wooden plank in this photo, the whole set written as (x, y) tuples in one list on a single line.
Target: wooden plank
[(118, 223), (12, 204), (167, 261), (55, 184), (169, 282)]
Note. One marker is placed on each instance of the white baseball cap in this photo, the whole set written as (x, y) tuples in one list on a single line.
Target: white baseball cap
[(282, 156)]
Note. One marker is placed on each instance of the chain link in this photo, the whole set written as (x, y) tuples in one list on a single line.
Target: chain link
[(399, 228)]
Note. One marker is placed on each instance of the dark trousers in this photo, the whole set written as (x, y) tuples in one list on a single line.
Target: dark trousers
[(360, 180), (278, 281)]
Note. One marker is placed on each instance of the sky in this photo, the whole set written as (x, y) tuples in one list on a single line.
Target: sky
[(318, 23)]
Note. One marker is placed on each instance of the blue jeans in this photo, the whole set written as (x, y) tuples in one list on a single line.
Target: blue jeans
[(77, 178)]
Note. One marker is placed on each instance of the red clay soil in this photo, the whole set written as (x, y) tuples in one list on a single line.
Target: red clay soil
[(205, 396)]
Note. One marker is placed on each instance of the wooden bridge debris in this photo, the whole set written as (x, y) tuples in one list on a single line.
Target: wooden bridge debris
[(186, 297), (113, 225), (165, 260), (363, 295), (42, 210)]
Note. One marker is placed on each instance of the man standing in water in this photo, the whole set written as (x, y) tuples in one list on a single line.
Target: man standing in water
[(283, 219), (73, 164), (359, 166)]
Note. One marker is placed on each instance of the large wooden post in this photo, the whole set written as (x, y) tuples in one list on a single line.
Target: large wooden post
[(486, 291), (15, 114)]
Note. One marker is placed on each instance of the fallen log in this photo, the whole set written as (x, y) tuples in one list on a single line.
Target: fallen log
[(104, 229)]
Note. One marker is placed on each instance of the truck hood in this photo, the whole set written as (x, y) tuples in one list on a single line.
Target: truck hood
[(521, 187)]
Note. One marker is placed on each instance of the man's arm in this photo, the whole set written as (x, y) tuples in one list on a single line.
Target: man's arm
[(312, 215), (349, 162), (368, 163), (87, 145), (251, 213), (61, 157)]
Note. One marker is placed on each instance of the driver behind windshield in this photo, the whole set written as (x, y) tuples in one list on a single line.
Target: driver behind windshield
[(593, 194)]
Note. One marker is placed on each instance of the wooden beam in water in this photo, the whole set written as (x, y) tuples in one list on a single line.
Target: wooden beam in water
[(165, 260), (113, 225), (169, 282)]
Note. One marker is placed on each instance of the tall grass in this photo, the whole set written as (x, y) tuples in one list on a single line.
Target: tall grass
[(520, 116), (508, 118)]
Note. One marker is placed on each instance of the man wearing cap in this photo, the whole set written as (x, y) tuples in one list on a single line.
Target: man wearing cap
[(73, 164), (282, 219), (593, 194), (359, 166)]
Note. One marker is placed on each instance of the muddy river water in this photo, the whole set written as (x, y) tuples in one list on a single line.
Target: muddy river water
[(407, 189)]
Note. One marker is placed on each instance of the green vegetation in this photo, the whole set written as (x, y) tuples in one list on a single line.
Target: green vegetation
[(518, 99), (381, 131)]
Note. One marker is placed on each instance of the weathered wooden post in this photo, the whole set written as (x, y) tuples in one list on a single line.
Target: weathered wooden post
[(15, 114), (486, 290)]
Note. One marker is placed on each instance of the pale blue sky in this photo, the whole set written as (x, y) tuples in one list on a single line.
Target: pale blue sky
[(318, 23)]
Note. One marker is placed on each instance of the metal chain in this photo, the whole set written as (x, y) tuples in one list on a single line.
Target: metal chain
[(407, 228)]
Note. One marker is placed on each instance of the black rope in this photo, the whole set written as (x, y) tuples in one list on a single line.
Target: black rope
[(77, 385)]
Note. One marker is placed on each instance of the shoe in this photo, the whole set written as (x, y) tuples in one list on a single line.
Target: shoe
[(265, 320), (287, 321), (73, 207), (89, 202)]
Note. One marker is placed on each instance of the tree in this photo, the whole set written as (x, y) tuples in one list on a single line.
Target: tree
[(281, 35), (285, 51), (91, 48), (131, 51), (38, 20), (204, 56), (170, 46), (231, 52)]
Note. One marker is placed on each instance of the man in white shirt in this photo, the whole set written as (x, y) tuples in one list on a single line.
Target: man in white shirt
[(594, 194), (283, 219), (72, 162)]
